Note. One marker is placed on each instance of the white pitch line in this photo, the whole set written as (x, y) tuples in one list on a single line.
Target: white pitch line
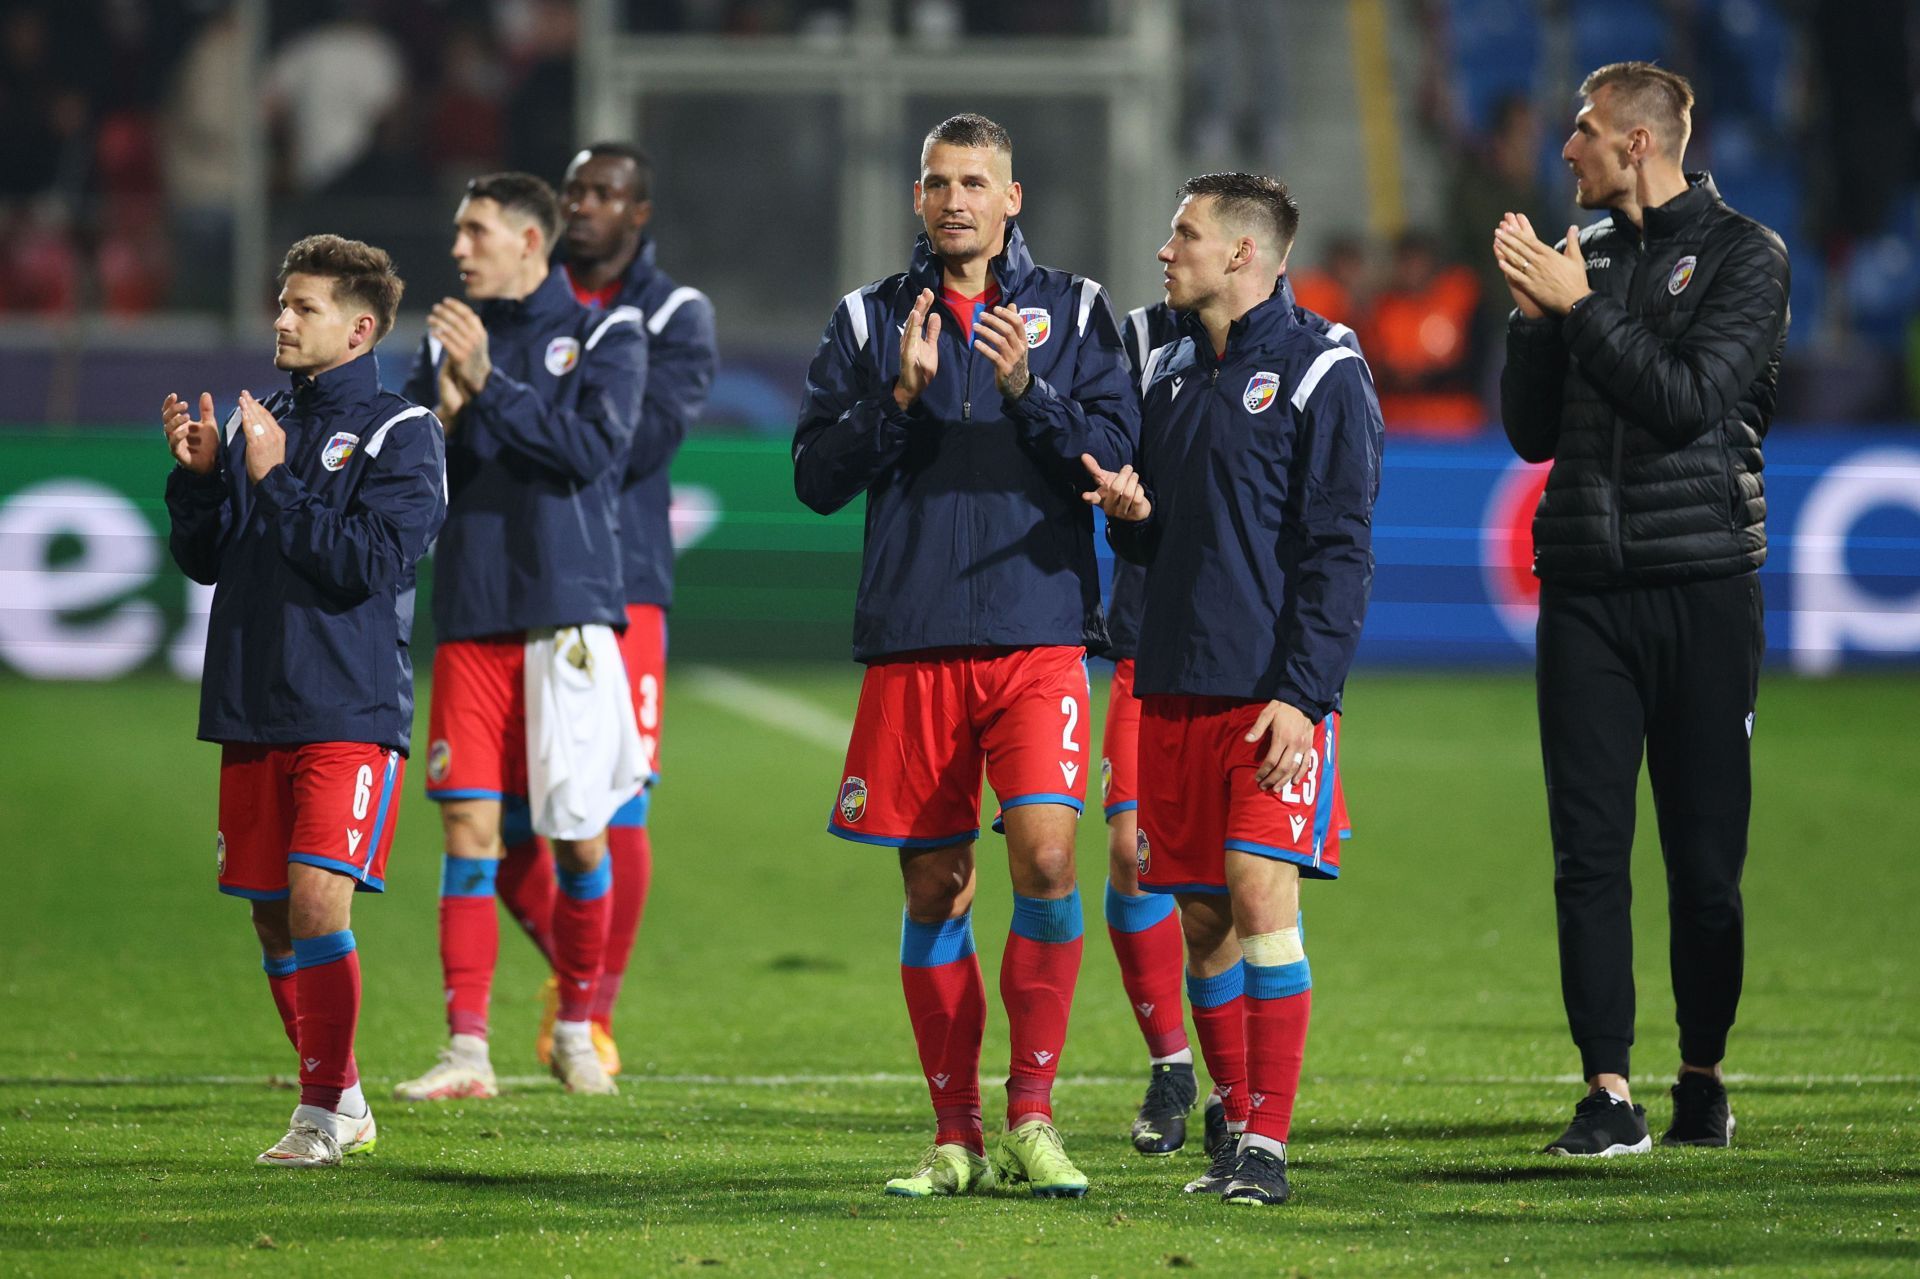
[(765, 704), (887, 1079)]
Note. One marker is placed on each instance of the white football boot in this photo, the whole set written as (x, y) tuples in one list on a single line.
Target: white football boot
[(309, 1142), (463, 1070)]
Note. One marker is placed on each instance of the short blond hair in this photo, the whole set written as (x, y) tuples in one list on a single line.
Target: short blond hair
[(1649, 95)]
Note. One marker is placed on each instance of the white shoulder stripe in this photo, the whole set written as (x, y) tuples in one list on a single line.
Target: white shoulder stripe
[(857, 317), (675, 300), (1339, 332), (1138, 318), (619, 315), (1089, 290), (233, 424), (435, 347), (380, 436), (1152, 364), (1322, 362)]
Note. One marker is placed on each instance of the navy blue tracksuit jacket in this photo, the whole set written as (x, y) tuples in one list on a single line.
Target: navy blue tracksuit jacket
[(1262, 465), (534, 465), (976, 534), (682, 357), (312, 569), (1146, 329)]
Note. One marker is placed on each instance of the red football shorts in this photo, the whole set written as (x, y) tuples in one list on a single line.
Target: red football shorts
[(643, 646), (477, 729), (1120, 744), (1199, 800), (327, 804), (929, 721)]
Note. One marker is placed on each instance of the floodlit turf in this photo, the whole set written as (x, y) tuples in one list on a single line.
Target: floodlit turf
[(137, 1040)]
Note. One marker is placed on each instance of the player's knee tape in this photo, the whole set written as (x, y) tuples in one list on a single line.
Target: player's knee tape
[(1276, 964), (467, 876), (586, 885), (1136, 914), (1221, 988), (1040, 919), (311, 952), (935, 945)]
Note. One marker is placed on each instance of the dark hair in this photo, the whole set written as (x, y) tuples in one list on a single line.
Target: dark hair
[(1660, 99), (967, 130), (523, 194), (642, 163), (359, 272), (1243, 198)]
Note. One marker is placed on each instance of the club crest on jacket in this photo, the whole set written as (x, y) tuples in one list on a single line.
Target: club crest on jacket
[(1261, 388), (1682, 274), (562, 355), (1039, 325), (338, 450)]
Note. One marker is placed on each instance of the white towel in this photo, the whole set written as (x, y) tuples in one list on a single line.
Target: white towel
[(584, 754)]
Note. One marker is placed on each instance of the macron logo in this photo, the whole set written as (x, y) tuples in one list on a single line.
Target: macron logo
[(313, 1063), (939, 1081), (353, 841), (1069, 771), (1259, 1099), (1042, 1056), (1298, 823), (1146, 1010), (1175, 393)]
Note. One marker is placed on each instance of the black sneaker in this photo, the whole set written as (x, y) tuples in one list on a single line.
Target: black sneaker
[(1215, 1134), (1604, 1127), (1221, 1162), (1260, 1179), (1161, 1126), (1701, 1116)]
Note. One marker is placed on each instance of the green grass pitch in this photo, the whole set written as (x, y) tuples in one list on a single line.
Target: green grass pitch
[(772, 1084)]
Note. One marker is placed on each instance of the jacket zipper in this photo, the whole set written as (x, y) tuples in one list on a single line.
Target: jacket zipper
[(1615, 535)]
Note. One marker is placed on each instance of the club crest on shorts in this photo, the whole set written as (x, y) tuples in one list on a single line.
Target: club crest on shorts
[(1682, 274), (1106, 778), (1143, 851), (853, 800), (219, 852), (338, 450), (1261, 388), (562, 355), (1039, 325), (439, 759)]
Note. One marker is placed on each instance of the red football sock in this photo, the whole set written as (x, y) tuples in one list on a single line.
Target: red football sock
[(526, 887), (1222, 1032), (632, 854), (947, 1004), (1036, 985), (329, 996), (285, 1001), (469, 949), (1276, 1046), (580, 914), (1150, 968)]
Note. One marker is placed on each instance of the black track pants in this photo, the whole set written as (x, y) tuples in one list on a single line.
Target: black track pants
[(1676, 668)]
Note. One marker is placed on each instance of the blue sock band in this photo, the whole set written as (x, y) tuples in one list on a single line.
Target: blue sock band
[(1221, 988), (467, 876), (311, 952), (278, 967), (1280, 981), (934, 945), (588, 885), (1037, 919), (1136, 914), (516, 821)]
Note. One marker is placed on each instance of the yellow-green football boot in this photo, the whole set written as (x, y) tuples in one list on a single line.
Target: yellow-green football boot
[(946, 1169)]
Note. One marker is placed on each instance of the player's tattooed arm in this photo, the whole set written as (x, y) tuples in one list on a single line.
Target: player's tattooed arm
[(460, 331), (1001, 335)]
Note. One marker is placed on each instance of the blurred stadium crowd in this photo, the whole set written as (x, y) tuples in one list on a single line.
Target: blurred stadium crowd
[(122, 150)]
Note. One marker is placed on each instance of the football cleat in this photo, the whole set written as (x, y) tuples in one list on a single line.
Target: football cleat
[(1222, 1159), (946, 1169), (309, 1142), (1161, 1126), (608, 1051), (460, 1072), (576, 1064), (1033, 1156), (1701, 1115), (1259, 1179), (1215, 1133), (549, 1014), (1603, 1127), (357, 1134)]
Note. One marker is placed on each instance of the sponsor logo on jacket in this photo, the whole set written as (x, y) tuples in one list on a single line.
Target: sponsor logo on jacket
[(1260, 392), (338, 450)]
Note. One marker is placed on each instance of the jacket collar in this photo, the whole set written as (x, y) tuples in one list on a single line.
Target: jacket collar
[(1258, 332), (1673, 217), (639, 273), (1010, 269), (553, 297), (355, 382)]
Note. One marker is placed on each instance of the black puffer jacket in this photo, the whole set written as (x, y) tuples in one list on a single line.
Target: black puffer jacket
[(1651, 398)]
